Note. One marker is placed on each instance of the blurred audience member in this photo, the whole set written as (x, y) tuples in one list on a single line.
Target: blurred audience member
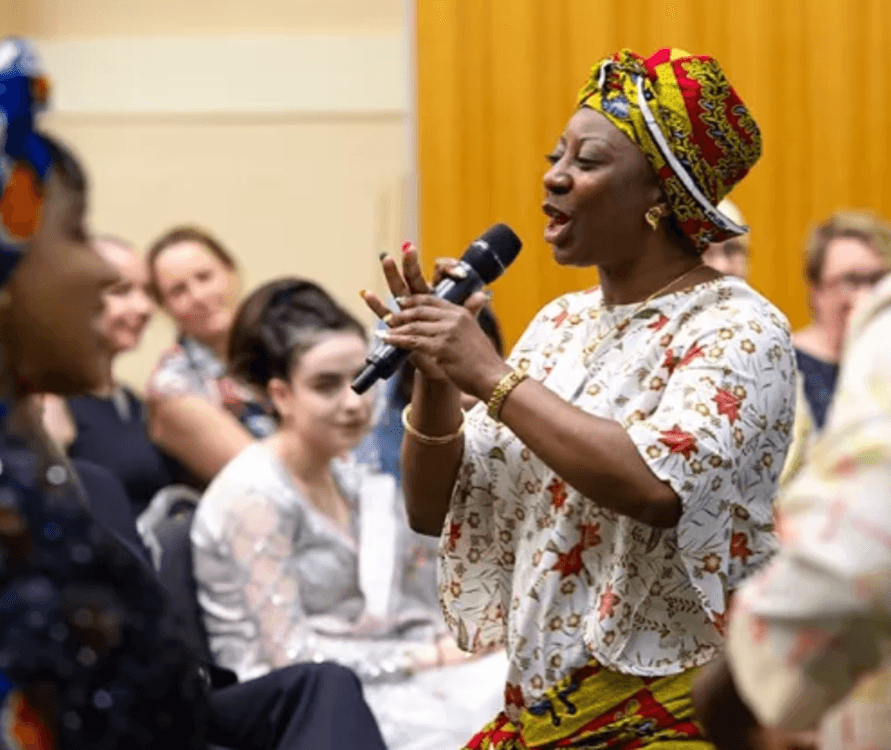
[(810, 639), (107, 426), (300, 555), (730, 256), (197, 413), (846, 256)]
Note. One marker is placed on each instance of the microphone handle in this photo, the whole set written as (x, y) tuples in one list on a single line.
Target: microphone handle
[(384, 359)]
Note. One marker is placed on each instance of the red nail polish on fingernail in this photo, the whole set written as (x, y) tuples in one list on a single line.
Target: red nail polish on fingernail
[(406, 246)]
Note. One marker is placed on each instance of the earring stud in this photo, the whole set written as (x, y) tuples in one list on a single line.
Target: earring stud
[(652, 216)]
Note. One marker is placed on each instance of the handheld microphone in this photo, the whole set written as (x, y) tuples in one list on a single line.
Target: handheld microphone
[(484, 261)]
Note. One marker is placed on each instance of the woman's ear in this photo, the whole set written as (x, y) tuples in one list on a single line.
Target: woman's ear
[(659, 199), (282, 396)]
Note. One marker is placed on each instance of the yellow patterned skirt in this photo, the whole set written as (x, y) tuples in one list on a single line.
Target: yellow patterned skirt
[(599, 708)]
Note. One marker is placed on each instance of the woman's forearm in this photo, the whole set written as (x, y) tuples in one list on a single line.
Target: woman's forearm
[(429, 471), (596, 456)]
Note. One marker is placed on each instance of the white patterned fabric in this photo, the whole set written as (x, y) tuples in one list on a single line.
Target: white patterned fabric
[(810, 638), (704, 382)]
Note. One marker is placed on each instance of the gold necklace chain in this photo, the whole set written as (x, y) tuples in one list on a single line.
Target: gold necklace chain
[(622, 323)]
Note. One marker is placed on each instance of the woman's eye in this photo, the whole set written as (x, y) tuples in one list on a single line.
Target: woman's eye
[(328, 387), (552, 158), (586, 163)]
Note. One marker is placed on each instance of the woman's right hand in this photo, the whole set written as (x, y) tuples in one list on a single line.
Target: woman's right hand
[(410, 280)]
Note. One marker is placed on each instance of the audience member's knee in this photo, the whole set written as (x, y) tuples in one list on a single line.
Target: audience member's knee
[(334, 675)]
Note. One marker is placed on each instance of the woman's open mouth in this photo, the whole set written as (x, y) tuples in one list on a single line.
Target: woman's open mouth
[(557, 229)]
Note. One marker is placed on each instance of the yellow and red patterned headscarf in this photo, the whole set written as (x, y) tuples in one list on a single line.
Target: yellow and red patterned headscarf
[(695, 131)]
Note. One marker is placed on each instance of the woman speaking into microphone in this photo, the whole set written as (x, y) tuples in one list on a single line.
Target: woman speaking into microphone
[(601, 504)]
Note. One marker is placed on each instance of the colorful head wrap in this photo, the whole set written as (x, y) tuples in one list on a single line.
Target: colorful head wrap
[(25, 155), (695, 131)]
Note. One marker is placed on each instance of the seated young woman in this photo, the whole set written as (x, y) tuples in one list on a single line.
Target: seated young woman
[(302, 554)]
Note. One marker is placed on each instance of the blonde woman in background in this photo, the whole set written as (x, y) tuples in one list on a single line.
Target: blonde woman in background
[(197, 413)]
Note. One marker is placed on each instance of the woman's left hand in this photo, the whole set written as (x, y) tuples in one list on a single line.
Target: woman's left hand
[(450, 335)]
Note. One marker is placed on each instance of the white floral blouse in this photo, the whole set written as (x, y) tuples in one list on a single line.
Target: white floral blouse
[(704, 382)]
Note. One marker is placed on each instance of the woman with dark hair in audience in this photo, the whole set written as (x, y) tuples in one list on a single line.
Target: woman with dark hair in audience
[(302, 554), (107, 426), (197, 413), (89, 656)]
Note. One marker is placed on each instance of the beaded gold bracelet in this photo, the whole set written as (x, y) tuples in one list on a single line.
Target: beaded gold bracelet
[(429, 439), (502, 390)]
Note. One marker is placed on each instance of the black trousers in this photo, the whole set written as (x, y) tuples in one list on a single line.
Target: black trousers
[(302, 707)]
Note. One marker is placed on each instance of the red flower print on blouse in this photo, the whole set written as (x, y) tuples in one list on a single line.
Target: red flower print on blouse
[(719, 620), (570, 563), (658, 325), (739, 546), (679, 441), (728, 404), (513, 695), (590, 537), (558, 319), (557, 488), (694, 352), (454, 535), (608, 602), (670, 361)]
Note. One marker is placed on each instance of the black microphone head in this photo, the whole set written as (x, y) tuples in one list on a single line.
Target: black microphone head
[(493, 252)]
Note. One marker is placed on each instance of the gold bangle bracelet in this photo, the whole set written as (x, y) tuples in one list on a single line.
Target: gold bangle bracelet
[(429, 439), (501, 392)]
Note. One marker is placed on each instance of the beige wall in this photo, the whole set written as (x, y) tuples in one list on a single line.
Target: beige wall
[(294, 154), (65, 19)]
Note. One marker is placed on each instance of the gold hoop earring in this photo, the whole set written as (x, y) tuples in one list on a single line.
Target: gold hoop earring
[(652, 216)]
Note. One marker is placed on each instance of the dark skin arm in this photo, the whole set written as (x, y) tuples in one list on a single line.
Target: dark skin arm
[(595, 456), (728, 720)]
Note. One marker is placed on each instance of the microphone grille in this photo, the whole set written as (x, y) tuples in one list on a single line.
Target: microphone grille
[(493, 252)]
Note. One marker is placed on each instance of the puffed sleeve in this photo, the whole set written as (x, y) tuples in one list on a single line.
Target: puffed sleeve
[(719, 437)]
